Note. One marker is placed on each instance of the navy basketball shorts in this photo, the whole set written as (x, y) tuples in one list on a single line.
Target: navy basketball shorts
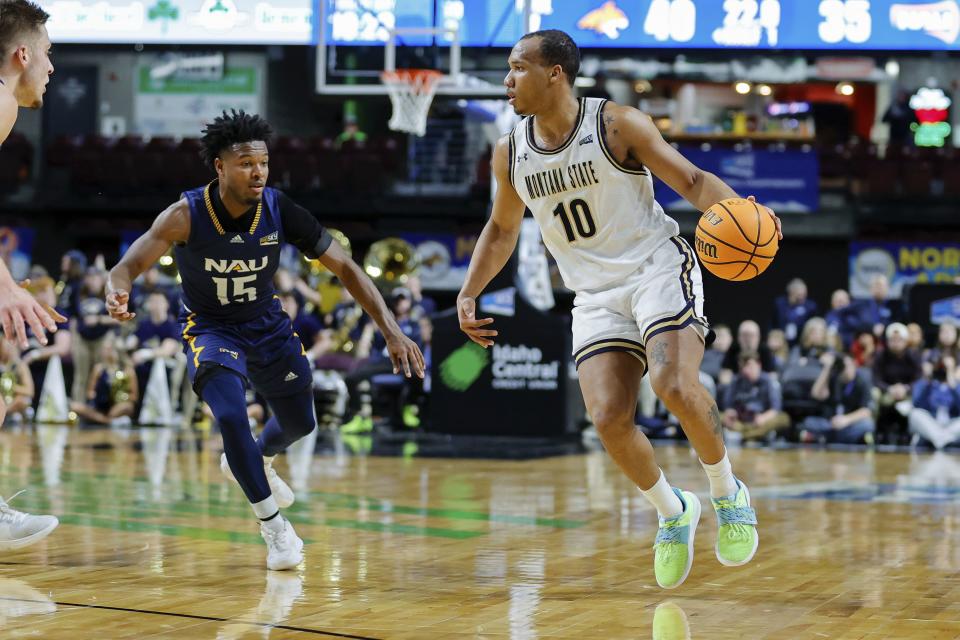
[(265, 350)]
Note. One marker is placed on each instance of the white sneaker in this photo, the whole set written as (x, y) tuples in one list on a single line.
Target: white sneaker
[(282, 492), (284, 548), (18, 529)]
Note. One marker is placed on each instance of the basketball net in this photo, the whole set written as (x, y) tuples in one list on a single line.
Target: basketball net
[(411, 92)]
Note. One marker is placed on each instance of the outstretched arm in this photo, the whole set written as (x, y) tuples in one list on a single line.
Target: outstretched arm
[(404, 352), (494, 248), (643, 142), (171, 226), (18, 310)]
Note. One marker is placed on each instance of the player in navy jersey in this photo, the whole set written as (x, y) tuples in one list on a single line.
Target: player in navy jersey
[(227, 237)]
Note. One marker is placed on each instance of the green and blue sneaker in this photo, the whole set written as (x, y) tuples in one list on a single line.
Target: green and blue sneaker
[(673, 549), (737, 537)]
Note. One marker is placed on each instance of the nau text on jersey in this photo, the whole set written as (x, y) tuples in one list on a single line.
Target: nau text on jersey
[(554, 181), (235, 266)]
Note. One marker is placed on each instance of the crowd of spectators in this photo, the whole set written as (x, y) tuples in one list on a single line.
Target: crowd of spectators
[(853, 373), (106, 365), (856, 373)]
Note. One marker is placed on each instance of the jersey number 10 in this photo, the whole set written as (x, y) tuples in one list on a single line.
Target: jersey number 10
[(241, 292), (582, 219)]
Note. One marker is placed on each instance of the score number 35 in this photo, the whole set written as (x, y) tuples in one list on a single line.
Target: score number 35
[(845, 20)]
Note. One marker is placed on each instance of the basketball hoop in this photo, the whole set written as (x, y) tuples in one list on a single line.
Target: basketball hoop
[(411, 92)]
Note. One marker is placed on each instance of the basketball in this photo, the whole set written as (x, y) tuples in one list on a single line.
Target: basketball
[(736, 239)]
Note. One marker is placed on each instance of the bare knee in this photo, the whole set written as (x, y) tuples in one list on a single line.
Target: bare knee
[(612, 419), (676, 388)]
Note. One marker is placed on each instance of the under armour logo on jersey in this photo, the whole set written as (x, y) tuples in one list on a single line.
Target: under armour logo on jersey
[(237, 239), (290, 377), (522, 156), (587, 140)]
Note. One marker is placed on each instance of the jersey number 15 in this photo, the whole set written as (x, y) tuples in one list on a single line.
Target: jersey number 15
[(582, 219), (241, 292)]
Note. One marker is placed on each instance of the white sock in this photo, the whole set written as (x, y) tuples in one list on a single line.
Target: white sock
[(722, 482), (661, 496), (266, 507)]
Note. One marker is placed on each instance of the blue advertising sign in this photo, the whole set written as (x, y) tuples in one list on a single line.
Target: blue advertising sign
[(902, 263), (753, 24), (786, 181), (444, 258)]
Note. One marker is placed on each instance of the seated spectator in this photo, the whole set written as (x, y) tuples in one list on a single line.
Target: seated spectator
[(777, 343), (946, 347), (378, 362), (791, 311), (842, 319), (713, 356), (339, 347), (73, 265), (748, 340), (157, 335), (152, 282), (16, 384), (877, 311), (91, 326), (847, 398), (864, 349), (915, 340), (895, 369), (305, 326), (814, 342), (751, 403), (58, 344), (935, 416), (422, 305), (111, 394)]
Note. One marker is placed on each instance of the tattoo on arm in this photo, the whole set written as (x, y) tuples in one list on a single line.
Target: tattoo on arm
[(714, 415), (659, 354), (607, 121)]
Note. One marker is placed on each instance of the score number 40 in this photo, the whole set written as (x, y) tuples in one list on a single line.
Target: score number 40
[(845, 20)]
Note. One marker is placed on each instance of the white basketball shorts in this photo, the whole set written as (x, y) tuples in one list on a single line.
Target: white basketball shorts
[(664, 294)]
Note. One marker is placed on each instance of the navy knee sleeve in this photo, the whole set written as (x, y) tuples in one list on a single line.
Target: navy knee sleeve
[(224, 391), (293, 418)]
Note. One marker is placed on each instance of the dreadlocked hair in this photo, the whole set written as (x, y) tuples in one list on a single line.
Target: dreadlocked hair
[(230, 129)]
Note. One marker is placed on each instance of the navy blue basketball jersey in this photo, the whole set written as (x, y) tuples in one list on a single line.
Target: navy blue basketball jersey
[(228, 275)]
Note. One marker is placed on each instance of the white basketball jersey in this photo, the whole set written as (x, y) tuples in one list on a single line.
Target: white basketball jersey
[(599, 219)]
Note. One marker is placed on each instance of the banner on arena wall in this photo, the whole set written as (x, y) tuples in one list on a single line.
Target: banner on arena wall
[(444, 258), (170, 22), (786, 181), (902, 263), (181, 106), (16, 249)]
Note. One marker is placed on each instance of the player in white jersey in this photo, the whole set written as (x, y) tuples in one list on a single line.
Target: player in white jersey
[(583, 168), (24, 72)]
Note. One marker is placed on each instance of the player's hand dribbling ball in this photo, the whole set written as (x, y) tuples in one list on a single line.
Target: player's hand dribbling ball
[(736, 239)]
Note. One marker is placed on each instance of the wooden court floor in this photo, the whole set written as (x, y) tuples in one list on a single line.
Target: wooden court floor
[(154, 543)]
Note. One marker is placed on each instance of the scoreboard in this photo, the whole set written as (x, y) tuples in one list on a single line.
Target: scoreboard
[(703, 24)]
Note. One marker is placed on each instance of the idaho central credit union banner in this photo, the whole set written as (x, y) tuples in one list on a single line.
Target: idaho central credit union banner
[(902, 263), (786, 181)]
